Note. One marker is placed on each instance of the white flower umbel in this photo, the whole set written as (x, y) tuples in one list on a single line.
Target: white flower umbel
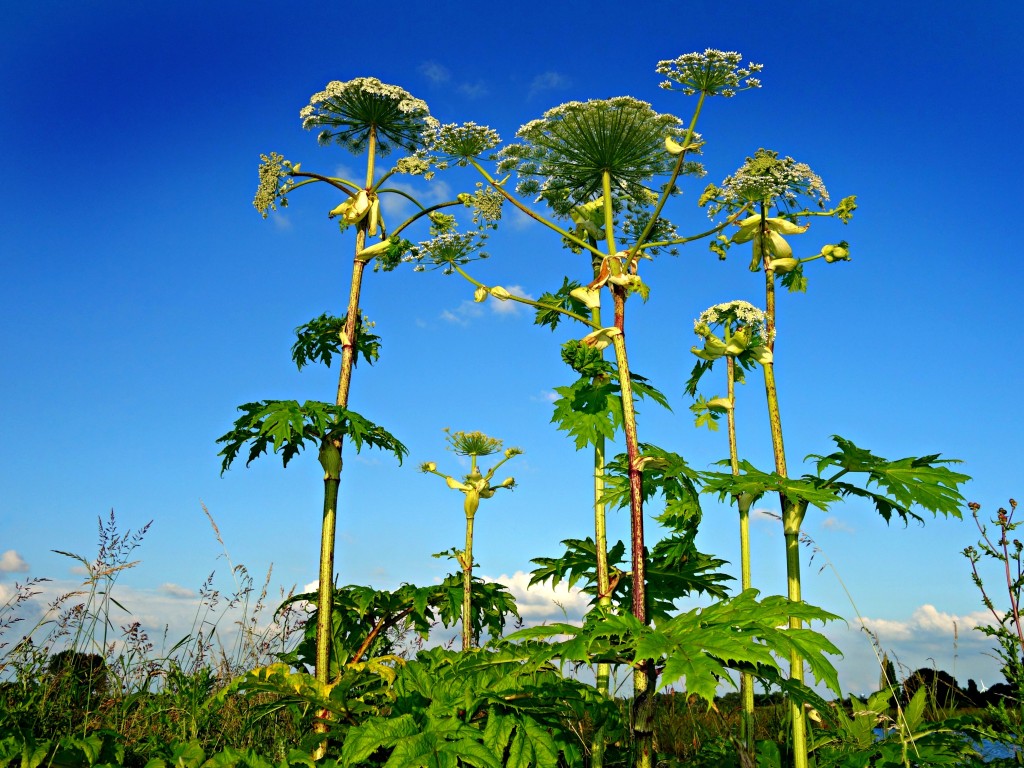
[(348, 112), (454, 144), (766, 178), (713, 73), (735, 314), (562, 156)]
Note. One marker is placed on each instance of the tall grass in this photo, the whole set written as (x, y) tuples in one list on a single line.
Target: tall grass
[(79, 670)]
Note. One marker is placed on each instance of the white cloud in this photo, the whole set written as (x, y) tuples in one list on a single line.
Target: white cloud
[(833, 523), (927, 624), (434, 72), (176, 590), (396, 207), (462, 314), (343, 171), (12, 562), (475, 90), (548, 81), (281, 222), (542, 603), (545, 396)]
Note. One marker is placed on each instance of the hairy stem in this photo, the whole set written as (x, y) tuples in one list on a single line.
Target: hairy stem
[(644, 676), (332, 478), (792, 514), (467, 587), (746, 679)]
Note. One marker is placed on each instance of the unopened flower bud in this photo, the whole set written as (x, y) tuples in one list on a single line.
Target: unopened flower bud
[(777, 246), (500, 293), (785, 226), (835, 253), (589, 296), (782, 266), (739, 341), (374, 250), (353, 209), (479, 294), (600, 338), (673, 147)]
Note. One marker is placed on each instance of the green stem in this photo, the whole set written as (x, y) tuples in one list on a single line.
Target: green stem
[(644, 676), (604, 596), (527, 302), (746, 679), (332, 468), (700, 236), (792, 513), (344, 185), (672, 180), (467, 587), (330, 460)]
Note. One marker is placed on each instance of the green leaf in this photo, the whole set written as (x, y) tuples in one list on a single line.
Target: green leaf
[(666, 474), (579, 562), (374, 733), (795, 280), (586, 360), (755, 482), (548, 314), (285, 427), (320, 339), (904, 483), (588, 410), (498, 731)]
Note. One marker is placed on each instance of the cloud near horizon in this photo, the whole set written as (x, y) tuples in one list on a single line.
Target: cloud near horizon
[(542, 603), (12, 562)]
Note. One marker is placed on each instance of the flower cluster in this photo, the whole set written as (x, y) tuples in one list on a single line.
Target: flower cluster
[(713, 73), (746, 334), (350, 112), (565, 154), (274, 185), (734, 314), (474, 443), (486, 203), (454, 144), (447, 251), (414, 165), (767, 179)]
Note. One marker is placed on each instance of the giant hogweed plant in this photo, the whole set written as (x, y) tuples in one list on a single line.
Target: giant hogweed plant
[(743, 344), (474, 487), (371, 119), (606, 168), (773, 187)]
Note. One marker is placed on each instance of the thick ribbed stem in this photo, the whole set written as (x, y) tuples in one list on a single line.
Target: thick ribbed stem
[(330, 460), (332, 477), (644, 676), (746, 679), (467, 587), (792, 515)]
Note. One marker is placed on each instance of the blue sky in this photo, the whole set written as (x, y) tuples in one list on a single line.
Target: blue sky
[(144, 298)]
